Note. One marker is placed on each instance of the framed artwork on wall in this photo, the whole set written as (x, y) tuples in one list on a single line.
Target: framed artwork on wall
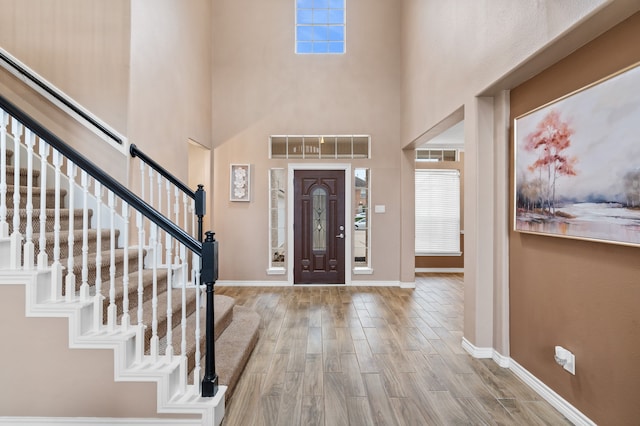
[(240, 182), (577, 163)]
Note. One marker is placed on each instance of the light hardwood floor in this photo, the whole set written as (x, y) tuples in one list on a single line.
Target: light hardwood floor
[(373, 356)]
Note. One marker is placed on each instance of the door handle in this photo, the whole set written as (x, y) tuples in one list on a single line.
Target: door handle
[(340, 235)]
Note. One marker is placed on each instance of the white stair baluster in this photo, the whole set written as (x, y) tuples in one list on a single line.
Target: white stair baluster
[(98, 309), (169, 350), (185, 216), (159, 183), (141, 326), (4, 226), (70, 281), (142, 179), (159, 252), (29, 247), (150, 187), (183, 321), (194, 228), (153, 243), (176, 210), (168, 257), (112, 311), (84, 288), (125, 271), (56, 267), (43, 258), (16, 237), (195, 274)]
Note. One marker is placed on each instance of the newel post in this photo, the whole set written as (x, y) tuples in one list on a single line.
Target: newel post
[(209, 276), (200, 207)]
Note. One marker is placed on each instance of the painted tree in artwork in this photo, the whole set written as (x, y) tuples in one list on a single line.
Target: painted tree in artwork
[(550, 139), (632, 188)]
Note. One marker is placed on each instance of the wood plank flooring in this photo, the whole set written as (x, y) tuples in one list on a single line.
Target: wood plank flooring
[(373, 356)]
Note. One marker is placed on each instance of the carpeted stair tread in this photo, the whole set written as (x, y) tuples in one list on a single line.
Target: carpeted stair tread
[(234, 347), (77, 242), (147, 283), (50, 194), (104, 270), (176, 309), (50, 221), (35, 174), (222, 317)]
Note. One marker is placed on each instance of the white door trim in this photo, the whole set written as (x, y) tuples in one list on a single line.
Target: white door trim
[(348, 217)]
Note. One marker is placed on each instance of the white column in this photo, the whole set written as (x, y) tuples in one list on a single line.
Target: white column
[(479, 223)]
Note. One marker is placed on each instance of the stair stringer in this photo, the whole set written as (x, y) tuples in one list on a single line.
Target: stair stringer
[(172, 398)]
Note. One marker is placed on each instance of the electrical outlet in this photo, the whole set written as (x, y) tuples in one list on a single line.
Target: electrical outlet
[(566, 359), (570, 365)]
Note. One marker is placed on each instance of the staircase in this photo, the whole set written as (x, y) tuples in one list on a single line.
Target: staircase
[(131, 296)]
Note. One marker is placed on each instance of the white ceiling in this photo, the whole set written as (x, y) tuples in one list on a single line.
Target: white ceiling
[(453, 137)]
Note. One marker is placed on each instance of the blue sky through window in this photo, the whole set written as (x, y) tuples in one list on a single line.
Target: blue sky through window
[(320, 26)]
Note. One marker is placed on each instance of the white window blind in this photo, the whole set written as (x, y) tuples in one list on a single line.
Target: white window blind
[(437, 212)]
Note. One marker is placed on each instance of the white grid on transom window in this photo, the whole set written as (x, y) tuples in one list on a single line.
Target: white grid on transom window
[(313, 147)]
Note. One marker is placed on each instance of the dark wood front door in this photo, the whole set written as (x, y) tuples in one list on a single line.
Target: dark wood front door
[(318, 226)]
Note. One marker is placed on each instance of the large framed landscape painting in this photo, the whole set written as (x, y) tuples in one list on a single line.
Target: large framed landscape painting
[(577, 164)]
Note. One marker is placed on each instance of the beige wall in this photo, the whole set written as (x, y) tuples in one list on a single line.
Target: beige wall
[(581, 295), (261, 87), (170, 80), (455, 49), (81, 46)]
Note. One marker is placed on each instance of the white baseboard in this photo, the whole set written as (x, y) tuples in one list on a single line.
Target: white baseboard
[(563, 406), (441, 270), (368, 283), (87, 421), (574, 415), (267, 283), (475, 351)]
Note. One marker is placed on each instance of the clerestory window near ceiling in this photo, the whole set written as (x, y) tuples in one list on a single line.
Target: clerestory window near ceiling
[(314, 147), (320, 26)]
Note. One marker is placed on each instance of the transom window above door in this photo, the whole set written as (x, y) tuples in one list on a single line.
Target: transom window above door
[(315, 147), (320, 26)]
